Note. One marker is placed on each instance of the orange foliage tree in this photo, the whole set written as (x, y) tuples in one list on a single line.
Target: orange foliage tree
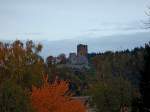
[(54, 98)]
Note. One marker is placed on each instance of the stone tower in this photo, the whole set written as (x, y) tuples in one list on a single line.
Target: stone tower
[(82, 50)]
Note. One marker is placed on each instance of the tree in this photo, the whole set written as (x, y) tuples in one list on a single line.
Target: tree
[(13, 98), (145, 80), (20, 62), (126, 64), (50, 60), (54, 98), (111, 94), (63, 58)]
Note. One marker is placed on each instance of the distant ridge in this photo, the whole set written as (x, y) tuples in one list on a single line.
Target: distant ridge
[(99, 44)]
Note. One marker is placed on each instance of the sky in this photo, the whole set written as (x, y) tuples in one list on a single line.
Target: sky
[(71, 19)]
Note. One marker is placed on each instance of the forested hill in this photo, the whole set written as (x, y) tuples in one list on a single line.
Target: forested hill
[(128, 63)]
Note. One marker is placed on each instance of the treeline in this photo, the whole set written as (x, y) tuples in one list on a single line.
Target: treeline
[(116, 81), (127, 63), (113, 80), (122, 80), (24, 85)]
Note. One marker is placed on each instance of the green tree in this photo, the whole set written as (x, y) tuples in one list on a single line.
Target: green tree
[(13, 98), (109, 95), (145, 80)]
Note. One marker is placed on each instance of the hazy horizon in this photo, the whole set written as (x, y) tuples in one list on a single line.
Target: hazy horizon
[(62, 24)]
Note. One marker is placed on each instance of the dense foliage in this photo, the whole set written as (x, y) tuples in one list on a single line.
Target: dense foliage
[(126, 63), (117, 79), (13, 98), (145, 80), (21, 68), (112, 81), (20, 62), (110, 95), (55, 98)]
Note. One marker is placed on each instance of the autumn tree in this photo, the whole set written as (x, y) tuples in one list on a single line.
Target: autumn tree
[(20, 62), (54, 98)]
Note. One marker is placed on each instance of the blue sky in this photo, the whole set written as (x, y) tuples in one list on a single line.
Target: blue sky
[(70, 19)]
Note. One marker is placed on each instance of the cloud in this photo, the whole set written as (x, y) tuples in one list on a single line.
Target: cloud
[(30, 33), (114, 28), (117, 26), (22, 35)]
